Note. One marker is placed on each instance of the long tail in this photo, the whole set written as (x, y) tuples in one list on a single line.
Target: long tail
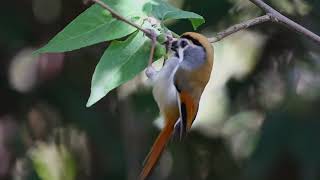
[(156, 150)]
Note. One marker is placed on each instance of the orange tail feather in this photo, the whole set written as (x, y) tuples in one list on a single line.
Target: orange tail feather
[(156, 150)]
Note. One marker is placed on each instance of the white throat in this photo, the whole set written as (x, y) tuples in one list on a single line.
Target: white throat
[(180, 53)]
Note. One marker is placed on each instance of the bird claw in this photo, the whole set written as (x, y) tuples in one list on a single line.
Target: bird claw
[(169, 40), (151, 72)]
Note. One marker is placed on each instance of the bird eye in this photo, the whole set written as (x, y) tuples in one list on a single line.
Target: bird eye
[(184, 43)]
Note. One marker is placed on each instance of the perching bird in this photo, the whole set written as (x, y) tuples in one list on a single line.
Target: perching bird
[(177, 89)]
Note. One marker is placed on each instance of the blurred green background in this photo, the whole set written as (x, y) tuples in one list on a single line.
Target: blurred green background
[(258, 118)]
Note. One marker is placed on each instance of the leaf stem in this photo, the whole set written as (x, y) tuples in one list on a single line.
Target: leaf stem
[(153, 47), (120, 17), (148, 32)]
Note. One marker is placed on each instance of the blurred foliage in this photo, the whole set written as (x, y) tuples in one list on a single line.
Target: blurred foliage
[(291, 150), (258, 117), (58, 163)]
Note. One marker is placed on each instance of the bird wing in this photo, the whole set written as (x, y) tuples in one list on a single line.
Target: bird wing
[(190, 80), (188, 100), (188, 111)]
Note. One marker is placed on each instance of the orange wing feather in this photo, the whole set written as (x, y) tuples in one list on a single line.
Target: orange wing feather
[(191, 108)]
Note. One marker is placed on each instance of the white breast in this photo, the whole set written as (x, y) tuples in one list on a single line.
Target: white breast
[(164, 90)]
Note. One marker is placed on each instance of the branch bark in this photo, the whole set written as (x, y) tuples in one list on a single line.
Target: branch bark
[(238, 27), (279, 18), (271, 15)]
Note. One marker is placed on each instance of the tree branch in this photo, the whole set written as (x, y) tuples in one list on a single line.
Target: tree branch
[(279, 18), (271, 15), (237, 27)]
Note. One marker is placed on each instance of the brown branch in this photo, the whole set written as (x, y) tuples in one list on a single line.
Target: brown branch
[(271, 15), (279, 18), (237, 27)]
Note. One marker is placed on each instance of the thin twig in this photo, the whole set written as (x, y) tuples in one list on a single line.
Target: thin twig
[(237, 27), (153, 47), (279, 18)]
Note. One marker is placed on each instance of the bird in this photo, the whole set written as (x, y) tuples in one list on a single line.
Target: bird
[(177, 89)]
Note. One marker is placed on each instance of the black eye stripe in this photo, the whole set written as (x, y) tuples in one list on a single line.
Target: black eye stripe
[(194, 41)]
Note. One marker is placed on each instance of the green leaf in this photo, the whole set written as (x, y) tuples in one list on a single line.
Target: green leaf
[(96, 25), (122, 61), (164, 11)]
